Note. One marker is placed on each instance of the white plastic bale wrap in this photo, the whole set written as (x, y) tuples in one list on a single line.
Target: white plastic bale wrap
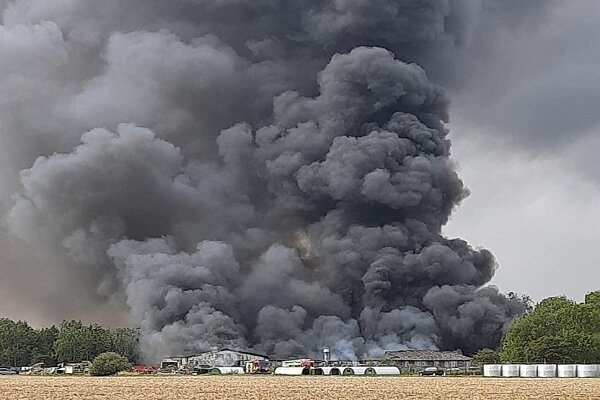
[(329, 370), (510, 370), (587, 371), (492, 370), (361, 370), (528, 371), (567, 371), (546, 370), (292, 371), (387, 370), (228, 370)]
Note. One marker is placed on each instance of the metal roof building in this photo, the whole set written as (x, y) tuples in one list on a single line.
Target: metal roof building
[(417, 359)]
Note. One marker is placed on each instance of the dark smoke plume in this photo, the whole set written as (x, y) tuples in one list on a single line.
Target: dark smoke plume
[(259, 174)]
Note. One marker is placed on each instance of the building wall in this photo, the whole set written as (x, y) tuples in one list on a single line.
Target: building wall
[(224, 358)]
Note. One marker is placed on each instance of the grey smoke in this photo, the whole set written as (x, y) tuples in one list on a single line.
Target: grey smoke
[(261, 174)]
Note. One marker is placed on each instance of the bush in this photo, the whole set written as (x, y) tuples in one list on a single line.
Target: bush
[(109, 364)]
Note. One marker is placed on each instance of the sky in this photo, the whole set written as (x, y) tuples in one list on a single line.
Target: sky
[(526, 134), (522, 78)]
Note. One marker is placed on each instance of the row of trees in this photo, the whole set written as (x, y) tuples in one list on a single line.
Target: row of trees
[(72, 341), (557, 331)]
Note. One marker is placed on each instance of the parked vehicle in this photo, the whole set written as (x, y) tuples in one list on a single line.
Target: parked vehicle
[(7, 371), (432, 371)]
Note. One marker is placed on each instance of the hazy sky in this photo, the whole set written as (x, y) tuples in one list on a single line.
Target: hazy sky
[(526, 133)]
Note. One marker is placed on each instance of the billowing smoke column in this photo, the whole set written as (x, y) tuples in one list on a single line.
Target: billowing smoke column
[(256, 174)]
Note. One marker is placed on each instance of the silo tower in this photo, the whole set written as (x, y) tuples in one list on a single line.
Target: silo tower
[(326, 355)]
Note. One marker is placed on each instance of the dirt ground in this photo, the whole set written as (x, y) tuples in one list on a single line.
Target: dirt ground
[(295, 388)]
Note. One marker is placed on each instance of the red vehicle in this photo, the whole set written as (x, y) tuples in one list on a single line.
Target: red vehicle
[(144, 369), (258, 367)]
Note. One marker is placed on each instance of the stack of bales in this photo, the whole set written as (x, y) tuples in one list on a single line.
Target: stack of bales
[(546, 370), (227, 371), (567, 371), (492, 370), (541, 370), (292, 371), (372, 371), (587, 371), (334, 371), (528, 371), (510, 370)]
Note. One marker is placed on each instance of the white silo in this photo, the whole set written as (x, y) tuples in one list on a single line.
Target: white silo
[(587, 371), (510, 370), (567, 371), (546, 370), (528, 371), (326, 355), (492, 370)]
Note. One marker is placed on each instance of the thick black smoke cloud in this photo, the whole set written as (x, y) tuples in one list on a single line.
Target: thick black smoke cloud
[(260, 174)]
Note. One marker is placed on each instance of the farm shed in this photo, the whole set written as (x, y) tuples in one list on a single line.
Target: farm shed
[(173, 363), (225, 358), (213, 358), (411, 360)]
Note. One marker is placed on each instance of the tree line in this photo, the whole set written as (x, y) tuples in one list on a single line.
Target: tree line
[(557, 331), (72, 341)]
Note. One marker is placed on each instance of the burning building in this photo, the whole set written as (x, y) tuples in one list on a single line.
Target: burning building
[(213, 358)]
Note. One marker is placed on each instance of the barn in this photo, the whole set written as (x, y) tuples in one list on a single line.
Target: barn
[(214, 358), (225, 358), (412, 360)]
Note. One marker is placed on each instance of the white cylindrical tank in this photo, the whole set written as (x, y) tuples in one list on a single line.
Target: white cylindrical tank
[(587, 371), (546, 370), (227, 370), (492, 370), (567, 371), (510, 370), (295, 371), (387, 370), (528, 371)]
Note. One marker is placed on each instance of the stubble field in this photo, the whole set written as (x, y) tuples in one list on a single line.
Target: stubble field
[(294, 388)]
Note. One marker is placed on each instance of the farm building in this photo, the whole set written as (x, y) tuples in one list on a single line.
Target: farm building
[(173, 363), (213, 358), (419, 359), (225, 358)]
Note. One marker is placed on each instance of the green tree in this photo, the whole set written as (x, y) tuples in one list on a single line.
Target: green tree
[(524, 299), (72, 342), (486, 356), (558, 330), (17, 341), (125, 342), (109, 364), (99, 340), (44, 346), (593, 298)]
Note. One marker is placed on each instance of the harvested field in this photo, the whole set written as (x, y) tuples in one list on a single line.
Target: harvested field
[(292, 388)]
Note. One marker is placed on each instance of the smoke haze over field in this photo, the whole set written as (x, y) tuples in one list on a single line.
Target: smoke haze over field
[(258, 174)]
